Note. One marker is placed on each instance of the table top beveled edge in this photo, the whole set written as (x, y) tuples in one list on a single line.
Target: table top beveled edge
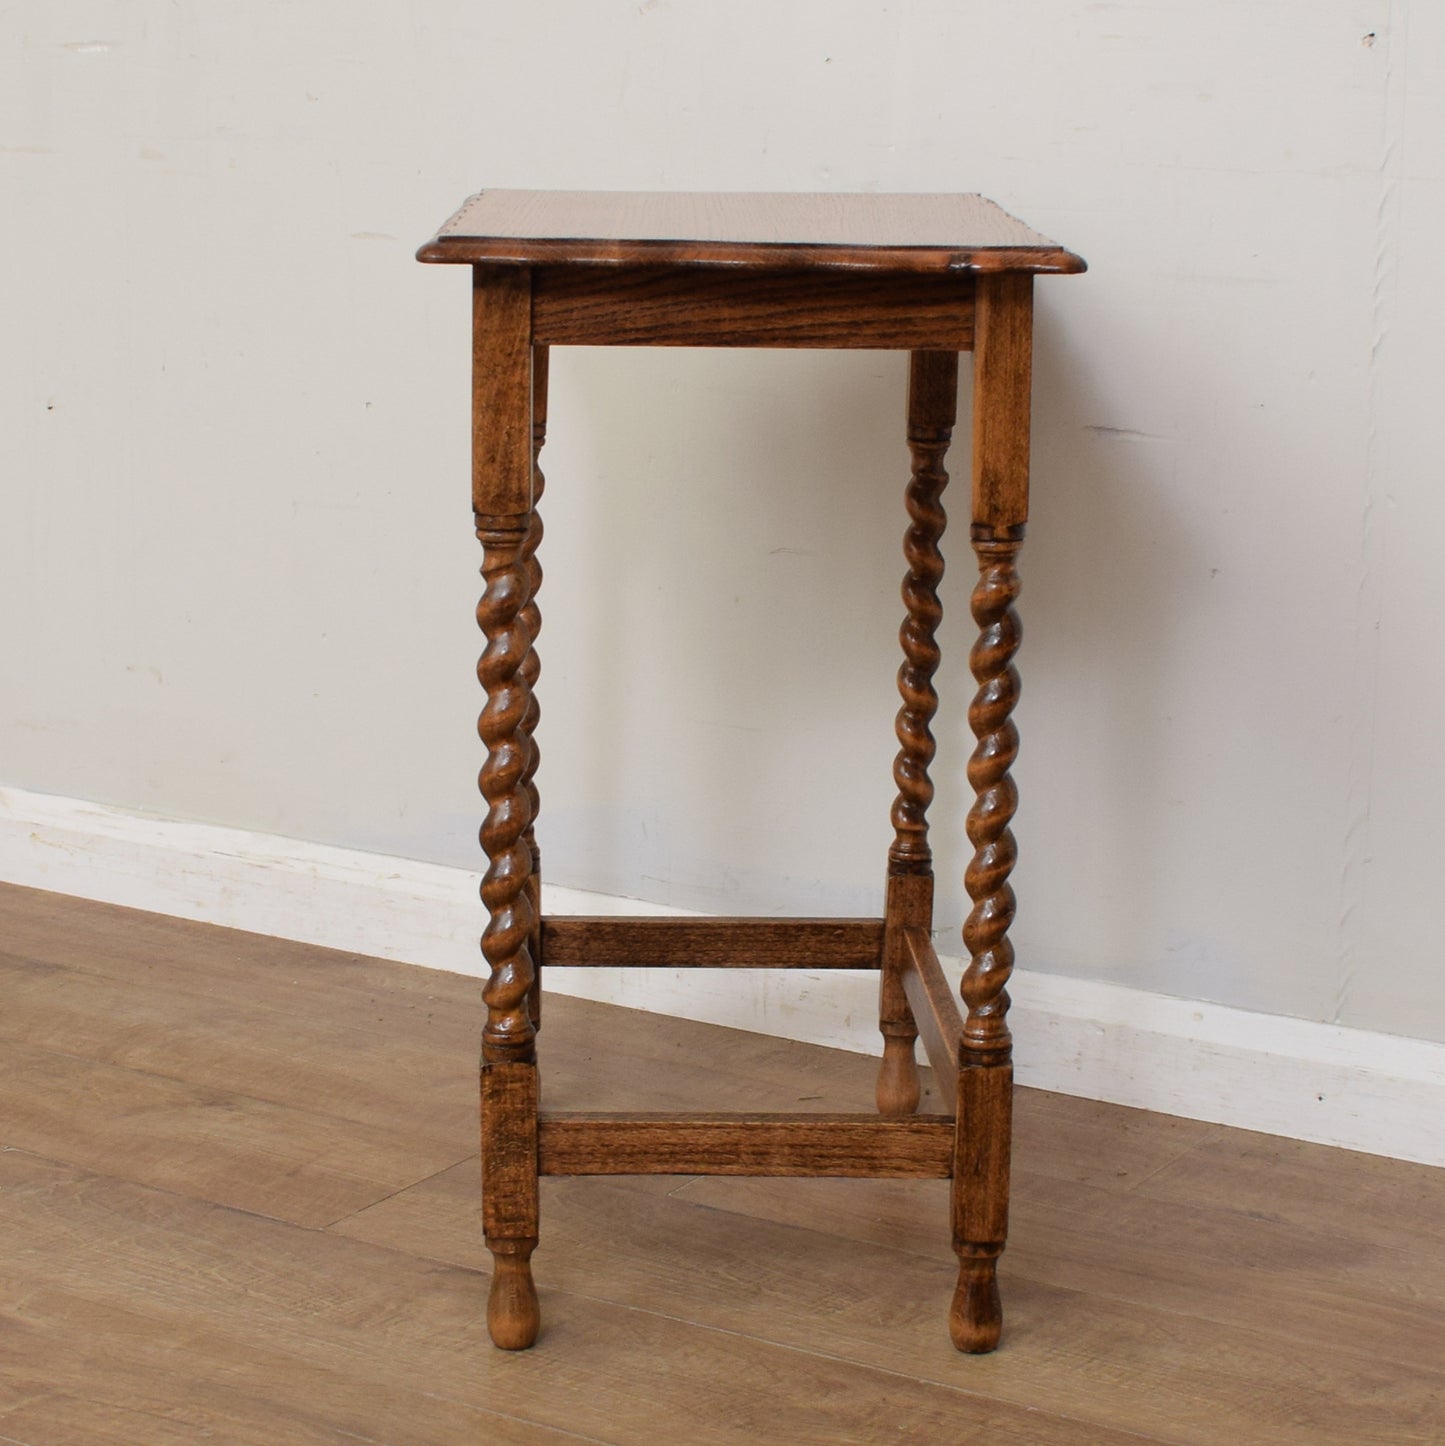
[(522, 242)]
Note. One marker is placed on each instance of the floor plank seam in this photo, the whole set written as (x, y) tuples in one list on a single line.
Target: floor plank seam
[(225, 1090), (371, 1205), (1175, 1160), (964, 1392), (943, 1253), (222, 989), (1009, 1269), (426, 1257), (210, 1204), (542, 1425), (1399, 1251), (299, 1354)]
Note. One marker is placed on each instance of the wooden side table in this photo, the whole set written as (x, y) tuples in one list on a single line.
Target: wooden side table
[(931, 275)]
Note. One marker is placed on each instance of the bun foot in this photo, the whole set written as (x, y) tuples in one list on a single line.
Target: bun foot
[(976, 1317), (513, 1315)]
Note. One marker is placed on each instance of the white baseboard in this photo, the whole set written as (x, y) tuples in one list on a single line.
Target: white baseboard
[(1374, 1092)]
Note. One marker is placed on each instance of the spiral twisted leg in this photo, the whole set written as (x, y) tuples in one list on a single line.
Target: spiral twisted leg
[(985, 1081), (531, 671), (509, 1076), (985, 934), (932, 404), (508, 1033), (910, 851)]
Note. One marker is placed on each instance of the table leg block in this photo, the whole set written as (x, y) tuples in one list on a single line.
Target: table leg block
[(980, 1203), (509, 1200)]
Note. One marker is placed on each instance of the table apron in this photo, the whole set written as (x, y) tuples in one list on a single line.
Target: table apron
[(658, 306)]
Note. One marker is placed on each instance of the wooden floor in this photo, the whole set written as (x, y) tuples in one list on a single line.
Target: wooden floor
[(238, 1203)]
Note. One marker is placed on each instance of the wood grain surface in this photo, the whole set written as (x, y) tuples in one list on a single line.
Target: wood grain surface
[(1167, 1280), (502, 444), (732, 943), (588, 1142), (659, 306), (884, 232), (932, 1001)]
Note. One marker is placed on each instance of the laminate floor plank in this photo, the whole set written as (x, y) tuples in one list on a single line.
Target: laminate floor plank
[(1390, 1202), (290, 1056), (169, 953), (596, 1054), (1236, 1271), (228, 1148), (280, 1056), (1087, 1142), (1106, 1359), (240, 1202), (618, 1375), (131, 1377)]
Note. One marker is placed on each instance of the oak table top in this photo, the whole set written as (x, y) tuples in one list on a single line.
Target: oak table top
[(913, 233)]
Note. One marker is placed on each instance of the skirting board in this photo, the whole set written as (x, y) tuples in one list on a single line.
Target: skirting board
[(1374, 1092)]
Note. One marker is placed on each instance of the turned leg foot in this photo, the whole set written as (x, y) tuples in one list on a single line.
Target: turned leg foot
[(975, 1318), (898, 1087), (513, 1315)]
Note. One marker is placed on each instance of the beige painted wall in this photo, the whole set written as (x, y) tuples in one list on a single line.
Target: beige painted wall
[(237, 574)]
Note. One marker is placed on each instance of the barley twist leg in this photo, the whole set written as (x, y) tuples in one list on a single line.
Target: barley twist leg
[(509, 1199), (508, 1033), (985, 933), (531, 617), (985, 1075), (924, 497), (932, 404)]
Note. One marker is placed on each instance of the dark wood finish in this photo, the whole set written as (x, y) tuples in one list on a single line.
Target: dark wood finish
[(990, 715), (177, 1260), (932, 405), (509, 1032), (1002, 369), (732, 943), (659, 306), (908, 899), (531, 619), (932, 408), (504, 447), (980, 1193), (932, 1002), (509, 1200), (502, 397), (898, 233), (592, 1143), (933, 275), (1002, 377), (509, 1073)]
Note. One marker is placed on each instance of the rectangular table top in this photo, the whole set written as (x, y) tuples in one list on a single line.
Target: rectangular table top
[(910, 233)]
